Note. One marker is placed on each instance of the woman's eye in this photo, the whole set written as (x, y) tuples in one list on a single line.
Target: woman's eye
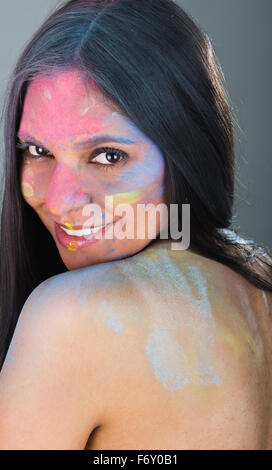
[(108, 156), (105, 156), (36, 151), (32, 150)]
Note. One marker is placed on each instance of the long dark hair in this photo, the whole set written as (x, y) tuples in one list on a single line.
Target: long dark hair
[(153, 61)]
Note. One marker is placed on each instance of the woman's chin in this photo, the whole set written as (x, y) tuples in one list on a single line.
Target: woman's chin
[(77, 260), (82, 258)]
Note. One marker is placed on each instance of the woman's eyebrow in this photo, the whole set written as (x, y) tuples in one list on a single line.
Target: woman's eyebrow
[(93, 140), (30, 140)]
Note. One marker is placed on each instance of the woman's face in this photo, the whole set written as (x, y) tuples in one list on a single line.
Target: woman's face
[(78, 149)]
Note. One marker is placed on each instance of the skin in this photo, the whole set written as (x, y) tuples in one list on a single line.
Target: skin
[(187, 365), (197, 351), (61, 112), (156, 351)]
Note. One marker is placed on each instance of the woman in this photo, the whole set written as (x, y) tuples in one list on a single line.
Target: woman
[(125, 342)]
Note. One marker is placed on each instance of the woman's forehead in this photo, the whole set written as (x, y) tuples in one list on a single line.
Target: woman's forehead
[(70, 103), (66, 86)]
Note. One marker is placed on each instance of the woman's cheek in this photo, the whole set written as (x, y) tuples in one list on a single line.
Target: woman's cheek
[(34, 184)]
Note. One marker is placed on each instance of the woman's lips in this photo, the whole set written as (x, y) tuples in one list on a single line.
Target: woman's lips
[(74, 243)]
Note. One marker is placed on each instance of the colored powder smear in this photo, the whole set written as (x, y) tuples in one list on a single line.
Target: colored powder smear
[(126, 198), (167, 357), (72, 246), (105, 313), (69, 226), (27, 190)]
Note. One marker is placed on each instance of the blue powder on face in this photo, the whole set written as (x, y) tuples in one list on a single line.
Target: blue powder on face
[(70, 198), (110, 251), (120, 256), (145, 172)]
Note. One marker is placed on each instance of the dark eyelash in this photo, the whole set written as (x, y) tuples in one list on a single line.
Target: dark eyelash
[(109, 150), (22, 146)]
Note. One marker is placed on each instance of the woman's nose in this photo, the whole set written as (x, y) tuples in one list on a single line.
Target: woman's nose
[(64, 192)]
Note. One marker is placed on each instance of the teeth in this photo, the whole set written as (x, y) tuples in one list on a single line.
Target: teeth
[(82, 233)]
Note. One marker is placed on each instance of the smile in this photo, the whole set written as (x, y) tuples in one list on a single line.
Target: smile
[(82, 232), (80, 238)]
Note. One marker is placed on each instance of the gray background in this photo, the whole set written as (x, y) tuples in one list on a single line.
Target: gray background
[(240, 31)]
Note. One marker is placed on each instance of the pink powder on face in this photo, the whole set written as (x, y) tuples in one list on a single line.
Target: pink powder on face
[(62, 184), (60, 103), (70, 194), (62, 109), (56, 112)]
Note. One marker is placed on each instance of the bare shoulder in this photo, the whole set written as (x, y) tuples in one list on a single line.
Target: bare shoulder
[(167, 341), (51, 390), (191, 355)]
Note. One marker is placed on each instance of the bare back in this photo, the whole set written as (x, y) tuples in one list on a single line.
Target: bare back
[(191, 342)]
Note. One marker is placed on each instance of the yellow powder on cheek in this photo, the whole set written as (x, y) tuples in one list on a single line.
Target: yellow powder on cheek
[(27, 190), (28, 172), (127, 198)]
